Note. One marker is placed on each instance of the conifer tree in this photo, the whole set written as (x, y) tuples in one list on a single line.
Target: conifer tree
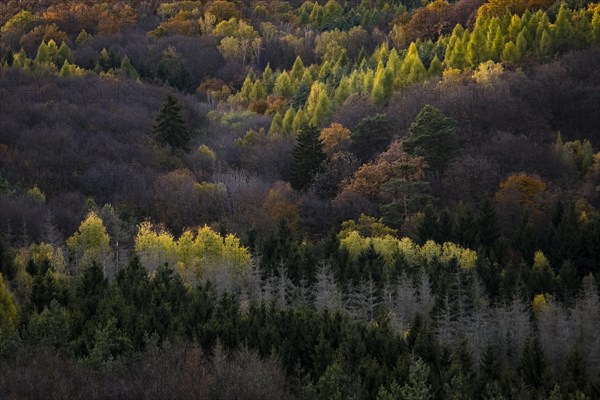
[(412, 68), (128, 69), (476, 48), (511, 53), (43, 54), (307, 156), (288, 120), (276, 124), (52, 51), (371, 136), (299, 120), (522, 43), (546, 45), (432, 135), (8, 311), (488, 230), (435, 68), (268, 79), (65, 69), (563, 29), (63, 54), (246, 90), (596, 28), (297, 71), (382, 85), (283, 85), (169, 127)]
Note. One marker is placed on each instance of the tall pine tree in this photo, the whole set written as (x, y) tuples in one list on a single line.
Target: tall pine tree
[(307, 157), (169, 127)]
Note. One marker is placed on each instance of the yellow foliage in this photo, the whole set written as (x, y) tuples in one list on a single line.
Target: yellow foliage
[(539, 304), (526, 190), (39, 253), (8, 311), (91, 242), (488, 72), (335, 138), (388, 246), (192, 252)]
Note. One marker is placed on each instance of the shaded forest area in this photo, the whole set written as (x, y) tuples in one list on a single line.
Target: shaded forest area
[(379, 199)]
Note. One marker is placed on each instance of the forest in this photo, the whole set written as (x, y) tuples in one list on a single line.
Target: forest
[(287, 199)]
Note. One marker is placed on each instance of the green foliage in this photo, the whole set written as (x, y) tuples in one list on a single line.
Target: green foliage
[(432, 136), (90, 244), (307, 156), (8, 310), (371, 136), (169, 126)]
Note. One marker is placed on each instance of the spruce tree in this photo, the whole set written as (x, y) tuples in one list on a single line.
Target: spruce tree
[(371, 136), (169, 127), (488, 229), (433, 136), (43, 54), (307, 157)]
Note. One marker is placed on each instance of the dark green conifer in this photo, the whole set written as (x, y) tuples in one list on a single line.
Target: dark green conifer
[(169, 127)]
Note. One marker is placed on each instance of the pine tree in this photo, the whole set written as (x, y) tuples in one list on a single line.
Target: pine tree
[(297, 71), (546, 46), (382, 85), (596, 28), (83, 38), (8, 311), (511, 53), (435, 68), (169, 127), (43, 54), (476, 49), (412, 68), (563, 31), (307, 157), (488, 230), (63, 54), (65, 70), (522, 42), (433, 136), (276, 125), (371, 136), (128, 70), (288, 120), (268, 79), (533, 363)]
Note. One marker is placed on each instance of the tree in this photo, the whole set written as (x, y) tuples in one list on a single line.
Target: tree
[(307, 157), (8, 311), (383, 85), (563, 31), (335, 139), (488, 229), (169, 127), (417, 387), (433, 136), (371, 136), (90, 243), (412, 68), (511, 53), (533, 363), (128, 69)]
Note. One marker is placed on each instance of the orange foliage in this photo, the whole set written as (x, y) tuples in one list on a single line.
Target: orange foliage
[(278, 204), (522, 189), (394, 163), (224, 10), (335, 138)]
